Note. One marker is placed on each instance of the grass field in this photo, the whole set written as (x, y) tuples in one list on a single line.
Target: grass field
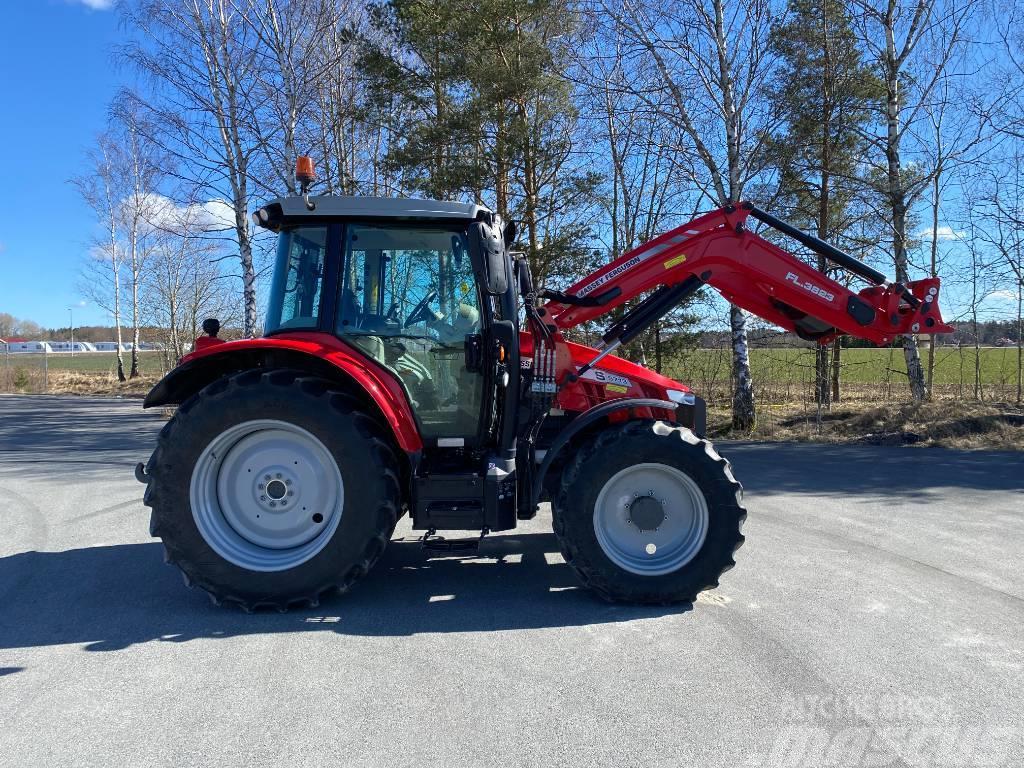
[(781, 373), (87, 362), (860, 365), (91, 373), (788, 374), (874, 404)]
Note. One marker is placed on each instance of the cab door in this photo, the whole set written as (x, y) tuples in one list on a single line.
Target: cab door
[(408, 300)]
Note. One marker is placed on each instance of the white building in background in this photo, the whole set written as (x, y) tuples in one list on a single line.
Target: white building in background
[(39, 347), (67, 346), (111, 346), (17, 347)]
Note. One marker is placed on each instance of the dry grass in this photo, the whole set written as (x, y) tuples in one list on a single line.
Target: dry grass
[(948, 423), (77, 383)]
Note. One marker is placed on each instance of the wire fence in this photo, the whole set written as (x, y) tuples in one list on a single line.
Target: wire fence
[(781, 374), (78, 372), (787, 374)]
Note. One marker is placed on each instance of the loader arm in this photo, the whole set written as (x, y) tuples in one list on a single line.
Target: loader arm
[(717, 249)]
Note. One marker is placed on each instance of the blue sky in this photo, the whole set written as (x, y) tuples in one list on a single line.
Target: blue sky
[(59, 75)]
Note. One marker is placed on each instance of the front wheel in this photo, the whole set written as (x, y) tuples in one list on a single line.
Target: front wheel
[(648, 513)]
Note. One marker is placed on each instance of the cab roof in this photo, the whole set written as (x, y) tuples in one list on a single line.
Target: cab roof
[(363, 207)]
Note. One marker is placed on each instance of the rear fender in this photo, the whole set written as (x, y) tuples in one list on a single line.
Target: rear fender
[(320, 354)]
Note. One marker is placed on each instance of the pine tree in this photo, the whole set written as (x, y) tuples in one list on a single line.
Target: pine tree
[(489, 113), (824, 92)]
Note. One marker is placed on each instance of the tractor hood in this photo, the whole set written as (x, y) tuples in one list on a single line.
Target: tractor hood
[(612, 378)]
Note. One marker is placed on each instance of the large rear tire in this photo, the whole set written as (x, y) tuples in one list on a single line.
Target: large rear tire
[(647, 512), (271, 489)]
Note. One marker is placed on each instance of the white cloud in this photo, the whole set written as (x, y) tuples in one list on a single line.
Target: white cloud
[(98, 5), (218, 215), (162, 213), (942, 233), (1003, 295)]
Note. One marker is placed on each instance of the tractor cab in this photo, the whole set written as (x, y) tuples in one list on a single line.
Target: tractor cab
[(398, 285), (419, 288)]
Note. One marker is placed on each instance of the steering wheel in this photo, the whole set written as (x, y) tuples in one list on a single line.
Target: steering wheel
[(419, 312)]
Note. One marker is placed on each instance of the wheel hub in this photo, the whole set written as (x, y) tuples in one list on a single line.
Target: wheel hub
[(651, 519), (266, 495), (646, 513), (276, 490)]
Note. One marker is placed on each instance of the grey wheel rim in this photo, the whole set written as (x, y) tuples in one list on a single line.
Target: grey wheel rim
[(651, 519), (266, 495)]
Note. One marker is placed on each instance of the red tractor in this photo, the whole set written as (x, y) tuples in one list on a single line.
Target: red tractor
[(408, 365)]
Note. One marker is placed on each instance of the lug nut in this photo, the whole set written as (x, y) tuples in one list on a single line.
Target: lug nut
[(273, 503), (266, 477), (287, 482), (291, 493), (261, 486), (263, 498), (278, 475)]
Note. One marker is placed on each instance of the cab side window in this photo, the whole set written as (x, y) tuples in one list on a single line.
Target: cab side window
[(298, 276)]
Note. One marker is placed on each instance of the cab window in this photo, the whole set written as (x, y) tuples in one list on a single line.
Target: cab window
[(298, 274)]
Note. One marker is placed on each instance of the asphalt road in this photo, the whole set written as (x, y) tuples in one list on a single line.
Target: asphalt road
[(876, 617)]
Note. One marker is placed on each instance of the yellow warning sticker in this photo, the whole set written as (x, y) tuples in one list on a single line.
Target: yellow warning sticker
[(616, 388), (675, 262)]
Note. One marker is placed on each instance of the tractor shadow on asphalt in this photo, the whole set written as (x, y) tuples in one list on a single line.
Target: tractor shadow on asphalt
[(109, 598)]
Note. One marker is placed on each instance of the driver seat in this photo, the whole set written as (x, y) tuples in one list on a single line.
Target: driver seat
[(351, 318)]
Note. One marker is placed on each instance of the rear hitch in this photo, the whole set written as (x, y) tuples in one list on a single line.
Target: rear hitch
[(140, 473)]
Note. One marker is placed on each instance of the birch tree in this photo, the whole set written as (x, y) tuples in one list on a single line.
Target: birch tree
[(350, 148), (1000, 213), (100, 188), (184, 284), (915, 44), (290, 63), (137, 210), (712, 59), (202, 62), (646, 189)]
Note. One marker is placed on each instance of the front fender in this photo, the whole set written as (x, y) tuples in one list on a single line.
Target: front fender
[(319, 353), (584, 420)]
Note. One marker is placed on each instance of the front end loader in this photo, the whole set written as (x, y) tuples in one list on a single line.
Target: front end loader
[(409, 366)]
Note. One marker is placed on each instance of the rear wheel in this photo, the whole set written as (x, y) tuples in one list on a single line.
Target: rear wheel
[(648, 513), (269, 488)]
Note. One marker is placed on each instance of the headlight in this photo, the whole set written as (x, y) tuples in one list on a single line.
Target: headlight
[(683, 398)]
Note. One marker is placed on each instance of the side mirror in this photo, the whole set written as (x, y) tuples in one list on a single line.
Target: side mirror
[(509, 233), (490, 263)]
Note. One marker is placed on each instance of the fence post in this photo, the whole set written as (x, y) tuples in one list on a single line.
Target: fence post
[(46, 370)]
